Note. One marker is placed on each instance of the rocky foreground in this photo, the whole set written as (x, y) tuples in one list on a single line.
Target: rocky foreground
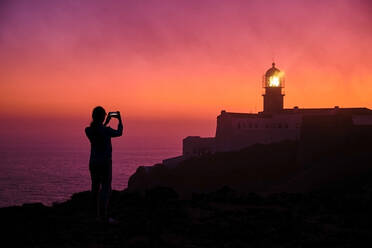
[(224, 218)]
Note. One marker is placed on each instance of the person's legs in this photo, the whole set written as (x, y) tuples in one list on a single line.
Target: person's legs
[(95, 177), (106, 187)]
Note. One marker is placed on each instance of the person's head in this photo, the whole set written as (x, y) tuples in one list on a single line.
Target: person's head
[(98, 115)]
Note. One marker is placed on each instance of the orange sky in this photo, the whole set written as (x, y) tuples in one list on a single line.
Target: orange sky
[(179, 62)]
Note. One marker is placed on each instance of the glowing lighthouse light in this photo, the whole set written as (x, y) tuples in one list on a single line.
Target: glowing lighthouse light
[(273, 84), (274, 81)]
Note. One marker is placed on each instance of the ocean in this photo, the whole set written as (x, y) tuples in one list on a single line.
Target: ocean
[(47, 174)]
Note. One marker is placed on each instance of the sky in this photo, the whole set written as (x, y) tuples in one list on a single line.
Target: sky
[(171, 66)]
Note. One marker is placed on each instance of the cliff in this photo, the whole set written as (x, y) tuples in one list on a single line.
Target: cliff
[(256, 168)]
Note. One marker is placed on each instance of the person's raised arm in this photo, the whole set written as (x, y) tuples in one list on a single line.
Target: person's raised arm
[(120, 124)]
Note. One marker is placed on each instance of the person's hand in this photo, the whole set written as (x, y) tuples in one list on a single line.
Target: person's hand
[(108, 118)]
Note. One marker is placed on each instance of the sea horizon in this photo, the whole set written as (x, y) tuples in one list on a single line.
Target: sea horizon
[(31, 173)]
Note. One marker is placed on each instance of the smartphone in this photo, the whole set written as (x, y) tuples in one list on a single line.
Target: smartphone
[(113, 114)]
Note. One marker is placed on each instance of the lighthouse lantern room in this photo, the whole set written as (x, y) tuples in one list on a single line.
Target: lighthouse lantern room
[(273, 85)]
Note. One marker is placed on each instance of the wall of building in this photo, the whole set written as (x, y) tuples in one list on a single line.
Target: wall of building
[(362, 120), (235, 132)]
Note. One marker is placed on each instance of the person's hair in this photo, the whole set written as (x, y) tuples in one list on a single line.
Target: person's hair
[(98, 115)]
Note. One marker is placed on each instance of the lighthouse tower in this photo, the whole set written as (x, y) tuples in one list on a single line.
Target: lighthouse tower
[(273, 96)]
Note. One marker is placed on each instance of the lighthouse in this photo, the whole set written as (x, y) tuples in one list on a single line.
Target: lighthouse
[(273, 85), (236, 131)]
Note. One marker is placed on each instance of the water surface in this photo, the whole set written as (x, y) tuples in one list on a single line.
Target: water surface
[(50, 174)]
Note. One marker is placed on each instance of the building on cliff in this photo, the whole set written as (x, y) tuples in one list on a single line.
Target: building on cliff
[(275, 123)]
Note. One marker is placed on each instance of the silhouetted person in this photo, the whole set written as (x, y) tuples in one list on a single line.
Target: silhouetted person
[(100, 162)]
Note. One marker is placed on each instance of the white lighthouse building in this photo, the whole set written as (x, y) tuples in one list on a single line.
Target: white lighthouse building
[(275, 123)]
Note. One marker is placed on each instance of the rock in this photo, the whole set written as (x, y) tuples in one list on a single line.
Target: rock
[(161, 194)]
